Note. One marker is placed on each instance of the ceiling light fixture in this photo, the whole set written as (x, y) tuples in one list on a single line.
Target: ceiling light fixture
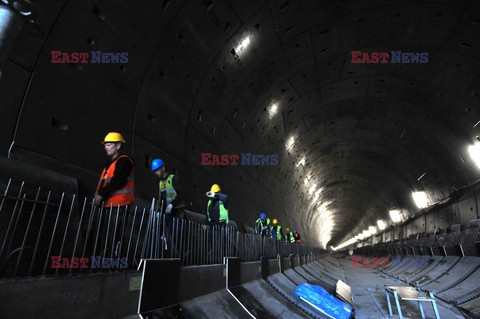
[(395, 216), (290, 142), (381, 224), (474, 151), (301, 162), (272, 110), (421, 199), (243, 45)]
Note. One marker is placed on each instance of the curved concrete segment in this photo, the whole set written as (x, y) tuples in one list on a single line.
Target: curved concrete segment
[(465, 290), (432, 263), (332, 273), (472, 307), (272, 301), (218, 304), (322, 275), (461, 271), (310, 278), (286, 288), (442, 267), (416, 262)]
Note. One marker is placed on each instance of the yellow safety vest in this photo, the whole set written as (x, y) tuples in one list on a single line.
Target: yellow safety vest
[(166, 186), (223, 211)]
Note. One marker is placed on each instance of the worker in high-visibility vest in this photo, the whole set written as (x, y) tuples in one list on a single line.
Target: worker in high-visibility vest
[(115, 186), (263, 225), (116, 189), (170, 191), (277, 230), (289, 237), (296, 235), (217, 207)]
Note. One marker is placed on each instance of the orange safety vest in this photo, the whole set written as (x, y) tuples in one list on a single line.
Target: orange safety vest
[(297, 237), (123, 196)]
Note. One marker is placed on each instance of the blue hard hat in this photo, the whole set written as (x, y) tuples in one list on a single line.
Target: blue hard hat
[(294, 228), (156, 164), (263, 216)]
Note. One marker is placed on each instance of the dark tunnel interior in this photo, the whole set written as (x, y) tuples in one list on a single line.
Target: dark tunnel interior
[(354, 139)]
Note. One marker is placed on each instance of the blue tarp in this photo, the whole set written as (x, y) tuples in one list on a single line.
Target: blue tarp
[(319, 298)]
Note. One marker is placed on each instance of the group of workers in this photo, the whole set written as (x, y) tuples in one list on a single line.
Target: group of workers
[(116, 188), (272, 229), (116, 185)]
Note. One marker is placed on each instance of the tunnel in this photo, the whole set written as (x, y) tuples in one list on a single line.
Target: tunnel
[(354, 123)]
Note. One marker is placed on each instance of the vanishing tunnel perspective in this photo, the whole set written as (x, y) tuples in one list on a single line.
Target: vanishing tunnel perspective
[(239, 159)]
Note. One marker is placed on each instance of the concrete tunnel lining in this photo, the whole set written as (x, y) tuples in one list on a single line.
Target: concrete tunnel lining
[(218, 103), (353, 140)]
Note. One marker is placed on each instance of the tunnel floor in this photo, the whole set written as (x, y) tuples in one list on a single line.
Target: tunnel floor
[(369, 295), (264, 298)]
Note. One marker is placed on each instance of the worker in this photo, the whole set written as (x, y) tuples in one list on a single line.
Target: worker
[(277, 231), (170, 191), (217, 207), (296, 235), (262, 225), (289, 237), (115, 186)]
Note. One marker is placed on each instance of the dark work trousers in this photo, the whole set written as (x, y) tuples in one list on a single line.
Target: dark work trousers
[(112, 232), (218, 241), (172, 235)]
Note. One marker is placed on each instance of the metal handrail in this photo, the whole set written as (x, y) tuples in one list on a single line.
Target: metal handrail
[(78, 237)]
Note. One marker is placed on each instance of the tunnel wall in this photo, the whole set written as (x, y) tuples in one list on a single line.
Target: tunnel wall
[(463, 212), (112, 295), (85, 296), (182, 93), (55, 115)]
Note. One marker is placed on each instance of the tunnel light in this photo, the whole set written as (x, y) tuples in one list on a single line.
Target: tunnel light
[(316, 196), (290, 142), (323, 220), (395, 216), (344, 244), (381, 224), (301, 162), (312, 189), (420, 198), (243, 45), (272, 110), (372, 230), (366, 233), (361, 237), (307, 179), (474, 151)]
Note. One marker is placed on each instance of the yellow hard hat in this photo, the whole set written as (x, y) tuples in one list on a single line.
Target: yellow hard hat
[(113, 137), (287, 229), (215, 188), (274, 221)]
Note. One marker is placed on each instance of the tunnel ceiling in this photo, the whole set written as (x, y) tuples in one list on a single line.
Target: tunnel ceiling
[(270, 77)]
